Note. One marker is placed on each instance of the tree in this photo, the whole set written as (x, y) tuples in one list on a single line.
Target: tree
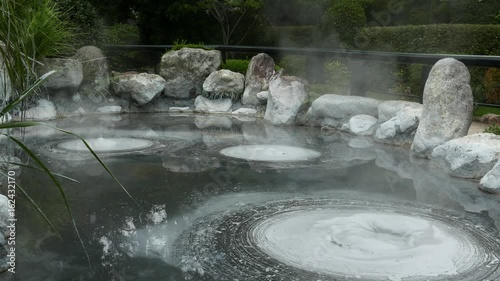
[(230, 14)]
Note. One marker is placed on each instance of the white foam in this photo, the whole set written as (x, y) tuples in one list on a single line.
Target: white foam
[(373, 245), (107, 144), (270, 153)]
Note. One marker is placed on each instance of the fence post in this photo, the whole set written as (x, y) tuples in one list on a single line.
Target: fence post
[(426, 69), (359, 78)]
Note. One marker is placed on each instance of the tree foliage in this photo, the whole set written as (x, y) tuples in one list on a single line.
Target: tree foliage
[(233, 16)]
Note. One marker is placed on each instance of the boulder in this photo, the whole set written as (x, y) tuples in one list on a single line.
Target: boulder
[(259, 73), (110, 109), (180, 109), (468, 157), (44, 110), (361, 125), (5, 84), (336, 110), (141, 87), (490, 119), (245, 111), (286, 96), (224, 83), (95, 70), (202, 104), (389, 109), (67, 78), (448, 106), (262, 97), (491, 181), (185, 71), (6, 118), (400, 129)]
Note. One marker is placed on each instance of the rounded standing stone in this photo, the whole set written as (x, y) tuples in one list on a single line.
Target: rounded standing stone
[(448, 107)]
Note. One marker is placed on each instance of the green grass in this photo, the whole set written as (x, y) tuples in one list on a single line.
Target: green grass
[(179, 44), (483, 110), (239, 66), (494, 129)]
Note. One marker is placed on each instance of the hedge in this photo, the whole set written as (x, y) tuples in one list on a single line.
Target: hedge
[(438, 39)]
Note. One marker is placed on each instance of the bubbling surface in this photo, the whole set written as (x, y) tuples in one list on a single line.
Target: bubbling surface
[(106, 144), (270, 153), (365, 244), (339, 239)]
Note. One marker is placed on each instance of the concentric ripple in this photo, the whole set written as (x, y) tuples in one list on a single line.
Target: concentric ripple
[(107, 144), (270, 153), (341, 239)]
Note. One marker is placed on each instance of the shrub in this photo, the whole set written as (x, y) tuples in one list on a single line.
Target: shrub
[(30, 29), (343, 21), (437, 39), (85, 21), (492, 85), (183, 44), (121, 34), (124, 34), (235, 65), (494, 129)]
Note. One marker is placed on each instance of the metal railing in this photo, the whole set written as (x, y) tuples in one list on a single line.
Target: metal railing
[(316, 58)]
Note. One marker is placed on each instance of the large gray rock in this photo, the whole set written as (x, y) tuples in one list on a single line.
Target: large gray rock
[(202, 104), (468, 157), (259, 72), (44, 110), (491, 181), (286, 95), (186, 70), (389, 109), (141, 87), (66, 79), (361, 125), (336, 110), (400, 129), (5, 84), (262, 97), (448, 106), (224, 83), (95, 70)]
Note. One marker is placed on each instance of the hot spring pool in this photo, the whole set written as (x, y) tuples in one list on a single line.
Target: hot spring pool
[(227, 199)]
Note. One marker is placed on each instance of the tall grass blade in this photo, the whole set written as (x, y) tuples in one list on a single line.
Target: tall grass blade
[(25, 194), (30, 124), (39, 169), (61, 191)]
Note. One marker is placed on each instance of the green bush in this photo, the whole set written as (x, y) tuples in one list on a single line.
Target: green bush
[(85, 21), (31, 30), (125, 34), (122, 34), (437, 39), (494, 129), (183, 44), (343, 21), (235, 65)]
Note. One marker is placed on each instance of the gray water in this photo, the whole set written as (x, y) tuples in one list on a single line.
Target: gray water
[(359, 211)]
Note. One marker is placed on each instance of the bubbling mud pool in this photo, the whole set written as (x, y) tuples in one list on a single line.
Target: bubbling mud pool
[(106, 144), (240, 200), (342, 239)]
